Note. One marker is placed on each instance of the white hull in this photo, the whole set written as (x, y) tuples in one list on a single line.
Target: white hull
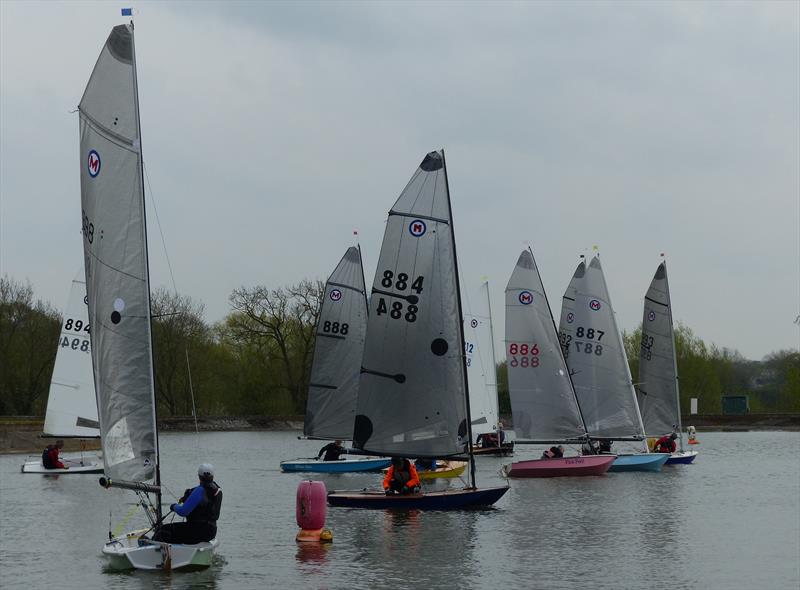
[(91, 464), (126, 552)]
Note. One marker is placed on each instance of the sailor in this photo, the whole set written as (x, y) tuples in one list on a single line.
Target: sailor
[(553, 453), (401, 478), (665, 444), (332, 451), (50, 458), (200, 506)]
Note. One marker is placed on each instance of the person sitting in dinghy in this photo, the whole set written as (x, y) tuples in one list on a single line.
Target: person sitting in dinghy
[(332, 451), (553, 453), (50, 459), (200, 506), (401, 478), (665, 444)]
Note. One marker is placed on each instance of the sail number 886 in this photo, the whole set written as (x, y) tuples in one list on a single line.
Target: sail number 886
[(528, 355)]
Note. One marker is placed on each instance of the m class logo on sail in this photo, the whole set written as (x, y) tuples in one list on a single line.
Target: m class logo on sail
[(417, 228), (93, 163)]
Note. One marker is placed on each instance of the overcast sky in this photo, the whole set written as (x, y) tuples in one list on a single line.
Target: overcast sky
[(271, 131)]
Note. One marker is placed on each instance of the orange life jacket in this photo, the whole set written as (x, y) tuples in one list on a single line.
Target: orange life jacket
[(407, 476)]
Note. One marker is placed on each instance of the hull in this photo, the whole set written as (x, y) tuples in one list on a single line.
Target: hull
[(92, 465), (563, 467), (505, 450), (448, 469), (349, 465), (642, 462), (129, 552), (444, 500), (681, 458)]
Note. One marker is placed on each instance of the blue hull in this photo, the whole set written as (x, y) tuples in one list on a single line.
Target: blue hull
[(311, 466), (643, 462), (445, 500), (682, 459)]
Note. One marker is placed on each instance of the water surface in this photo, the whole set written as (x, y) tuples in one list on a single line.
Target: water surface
[(730, 521)]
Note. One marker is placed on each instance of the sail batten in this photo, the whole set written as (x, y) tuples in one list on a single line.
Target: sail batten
[(412, 392), (335, 369), (115, 260), (595, 355)]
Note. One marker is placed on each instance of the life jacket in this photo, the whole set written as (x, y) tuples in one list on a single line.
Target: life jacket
[(208, 510), (665, 444), (46, 461)]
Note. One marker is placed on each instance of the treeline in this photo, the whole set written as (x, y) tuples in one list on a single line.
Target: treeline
[(257, 360)]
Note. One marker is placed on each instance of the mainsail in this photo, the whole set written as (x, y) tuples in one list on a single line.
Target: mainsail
[(115, 251), (342, 325), (481, 365), (412, 393), (542, 398), (596, 358), (71, 403), (658, 395)]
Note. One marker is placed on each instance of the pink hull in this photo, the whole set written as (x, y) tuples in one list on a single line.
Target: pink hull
[(564, 467)]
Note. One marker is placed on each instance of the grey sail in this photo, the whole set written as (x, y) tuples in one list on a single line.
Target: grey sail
[(658, 384), (342, 326), (412, 393), (115, 255), (542, 398), (596, 359), (481, 365)]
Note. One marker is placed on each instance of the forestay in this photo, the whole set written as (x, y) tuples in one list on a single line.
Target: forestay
[(542, 398), (596, 358), (342, 325), (71, 403), (658, 384), (412, 393), (116, 261), (481, 365)]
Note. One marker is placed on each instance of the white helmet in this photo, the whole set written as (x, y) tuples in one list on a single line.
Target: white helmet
[(206, 471)]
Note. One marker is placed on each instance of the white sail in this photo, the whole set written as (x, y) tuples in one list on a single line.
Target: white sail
[(481, 365), (115, 249), (71, 403), (412, 394), (659, 400), (543, 400), (335, 370), (596, 358)]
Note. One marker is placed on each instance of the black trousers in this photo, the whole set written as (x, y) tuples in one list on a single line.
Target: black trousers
[(187, 533)]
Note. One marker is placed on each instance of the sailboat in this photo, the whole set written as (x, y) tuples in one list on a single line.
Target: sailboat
[(71, 405), (482, 377), (413, 398), (595, 355), (118, 290), (659, 399), (543, 399), (333, 388)]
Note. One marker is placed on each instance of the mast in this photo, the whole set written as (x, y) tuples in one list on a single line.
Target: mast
[(674, 359), (460, 327), (157, 480), (494, 360)]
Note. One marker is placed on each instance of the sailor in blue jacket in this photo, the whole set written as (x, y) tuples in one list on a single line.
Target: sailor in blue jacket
[(200, 506)]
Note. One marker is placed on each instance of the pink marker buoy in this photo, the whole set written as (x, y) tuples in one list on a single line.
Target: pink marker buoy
[(311, 508)]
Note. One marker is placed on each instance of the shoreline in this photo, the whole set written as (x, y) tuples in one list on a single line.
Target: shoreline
[(22, 434)]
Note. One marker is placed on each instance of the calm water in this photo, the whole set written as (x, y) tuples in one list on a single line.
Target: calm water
[(731, 520)]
